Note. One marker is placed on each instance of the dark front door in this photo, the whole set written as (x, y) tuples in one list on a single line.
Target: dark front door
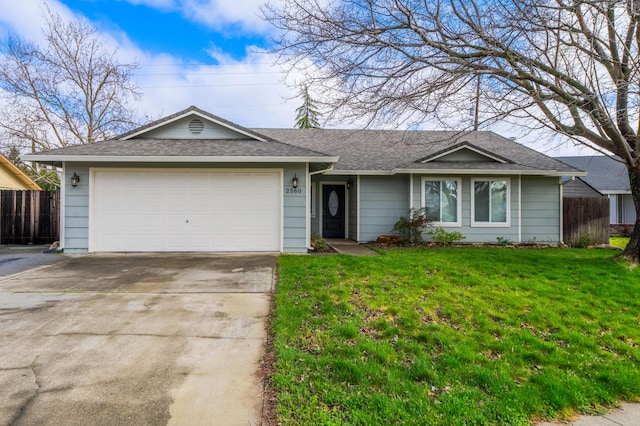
[(333, 211)]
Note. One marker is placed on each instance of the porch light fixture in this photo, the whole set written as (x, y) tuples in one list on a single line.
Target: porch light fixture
[(349, 183), (294, 181), (75, 180)]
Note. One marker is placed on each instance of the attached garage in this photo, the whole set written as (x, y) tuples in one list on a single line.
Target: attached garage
[(190, 182), (174, 210)]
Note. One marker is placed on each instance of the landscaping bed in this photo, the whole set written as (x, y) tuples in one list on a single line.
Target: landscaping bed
[(474, 335)]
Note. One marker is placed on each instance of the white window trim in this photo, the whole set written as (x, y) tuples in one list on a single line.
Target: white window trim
[(313, 188), (506, 224), (458, 223)]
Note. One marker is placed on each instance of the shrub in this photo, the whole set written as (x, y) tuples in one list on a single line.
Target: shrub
[(440, 236), (504, 241), (412, 227), (318, 243)]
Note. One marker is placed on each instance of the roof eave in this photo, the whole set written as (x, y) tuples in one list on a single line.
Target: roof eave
[(360, 172), (553, 173), (49, 159)]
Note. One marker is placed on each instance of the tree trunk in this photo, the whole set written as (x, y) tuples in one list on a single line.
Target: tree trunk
[(632, 252)]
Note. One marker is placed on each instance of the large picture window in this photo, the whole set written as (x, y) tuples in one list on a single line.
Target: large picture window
[(441, 198), (490, 202)]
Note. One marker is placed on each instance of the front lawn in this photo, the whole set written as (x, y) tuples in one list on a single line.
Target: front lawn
[(452, 336)]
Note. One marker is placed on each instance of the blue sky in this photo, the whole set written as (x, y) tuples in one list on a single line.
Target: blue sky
[(161, 30)]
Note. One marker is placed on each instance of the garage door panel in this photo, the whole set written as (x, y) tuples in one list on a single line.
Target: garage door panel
[(186, 211)]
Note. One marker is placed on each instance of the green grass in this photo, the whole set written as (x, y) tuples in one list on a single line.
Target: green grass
[(455, 336)]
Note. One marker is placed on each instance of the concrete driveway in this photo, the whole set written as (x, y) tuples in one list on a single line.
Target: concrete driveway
[(19, 258), (135, 340)]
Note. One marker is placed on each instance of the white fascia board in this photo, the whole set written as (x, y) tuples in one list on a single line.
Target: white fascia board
[(199, 114), (614, 192), (490, 171), (321, 172), (361, 172), (177, 159)]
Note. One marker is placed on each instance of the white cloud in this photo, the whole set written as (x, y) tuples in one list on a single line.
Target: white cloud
[(27, 17), (155, 4), (219, 13), (216, 14), (250, 93)]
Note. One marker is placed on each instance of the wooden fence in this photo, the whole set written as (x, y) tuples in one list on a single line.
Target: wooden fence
[(585, 221), (29, 217)]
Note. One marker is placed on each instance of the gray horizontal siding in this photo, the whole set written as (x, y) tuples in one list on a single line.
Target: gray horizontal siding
[(76, 209), (541, 210), (295, 210), (383, 199)]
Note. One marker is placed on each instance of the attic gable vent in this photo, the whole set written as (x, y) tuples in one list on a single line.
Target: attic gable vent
[(196, 126)]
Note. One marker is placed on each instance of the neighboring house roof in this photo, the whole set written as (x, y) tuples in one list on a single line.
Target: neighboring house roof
[(11, 177), (577, 187), (605, 174), (405, 151)]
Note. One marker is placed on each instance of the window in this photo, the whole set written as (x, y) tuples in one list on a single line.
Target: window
[(490, 202), (441, 199)]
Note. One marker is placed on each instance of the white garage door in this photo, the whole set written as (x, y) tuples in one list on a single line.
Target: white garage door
[(185, 210)]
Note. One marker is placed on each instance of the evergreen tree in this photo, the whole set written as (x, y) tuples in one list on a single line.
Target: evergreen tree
[(307, 113)]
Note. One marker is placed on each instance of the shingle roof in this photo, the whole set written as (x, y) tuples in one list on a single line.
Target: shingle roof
[(183, 148), (604, 173), (389, 150), (359, 151)]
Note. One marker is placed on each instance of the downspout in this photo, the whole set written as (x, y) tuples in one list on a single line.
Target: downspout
[(411, 192), (358, 208), (63, 191), (308, 208), (561, 212), (520, 209)]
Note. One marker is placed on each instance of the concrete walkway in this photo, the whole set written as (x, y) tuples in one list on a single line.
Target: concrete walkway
[(627, 415), (350, 247)]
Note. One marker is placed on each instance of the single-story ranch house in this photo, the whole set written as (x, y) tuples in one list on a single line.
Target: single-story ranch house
[(195, 182)]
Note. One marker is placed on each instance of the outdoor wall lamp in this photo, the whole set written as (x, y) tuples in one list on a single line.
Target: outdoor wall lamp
[(349, 183), (294, 181), (75, 180)]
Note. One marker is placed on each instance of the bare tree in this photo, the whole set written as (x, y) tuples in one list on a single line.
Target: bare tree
[(572, 66), (70, 91)]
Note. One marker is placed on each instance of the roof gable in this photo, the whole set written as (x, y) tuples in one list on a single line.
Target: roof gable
[(192, 123), (465, 152), (403, 151), (11, 177)]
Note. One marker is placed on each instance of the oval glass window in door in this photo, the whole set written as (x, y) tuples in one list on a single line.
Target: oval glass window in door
[(334, 203)]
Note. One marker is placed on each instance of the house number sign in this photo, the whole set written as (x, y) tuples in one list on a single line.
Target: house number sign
[(293, 191)]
